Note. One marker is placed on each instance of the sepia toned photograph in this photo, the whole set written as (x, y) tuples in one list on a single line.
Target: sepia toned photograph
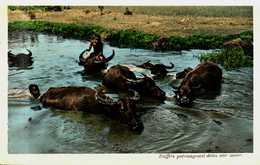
[(130, 79)]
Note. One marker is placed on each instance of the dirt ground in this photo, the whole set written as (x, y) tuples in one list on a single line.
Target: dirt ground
[(163, 25)]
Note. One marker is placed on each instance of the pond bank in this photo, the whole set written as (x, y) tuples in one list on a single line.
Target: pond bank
[(128, 38)]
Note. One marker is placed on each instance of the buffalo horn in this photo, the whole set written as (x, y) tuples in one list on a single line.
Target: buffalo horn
[(106, 60), (30, 53), (197, 86), (105, 101), (81, 55), (170, 67), (131, 81), (110, 57), (144, 75), (147, 62)]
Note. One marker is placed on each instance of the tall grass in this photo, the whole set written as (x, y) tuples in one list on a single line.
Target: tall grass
[(208, 11)]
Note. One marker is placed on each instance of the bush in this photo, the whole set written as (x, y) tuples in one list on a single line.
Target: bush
[(62, 29), (229, 58), (131, 38)]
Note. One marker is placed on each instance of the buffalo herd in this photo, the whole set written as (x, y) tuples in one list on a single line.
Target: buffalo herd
[(205, 77)]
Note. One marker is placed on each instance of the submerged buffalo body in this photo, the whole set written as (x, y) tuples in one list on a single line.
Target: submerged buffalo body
[(161, 44), (120, 78), (88, 100), (160, 70), (92, 65), (206, 77), (20, 60)]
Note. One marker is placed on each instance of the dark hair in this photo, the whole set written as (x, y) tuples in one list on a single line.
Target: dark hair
[(96, 36)]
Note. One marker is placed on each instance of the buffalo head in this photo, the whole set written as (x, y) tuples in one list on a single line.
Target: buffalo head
[(20, 60), (92, 60), (91, 64), (147, 87), (124, 109), (146, 65), (204, 79), (160, 70), (186, 93), (34, 90)]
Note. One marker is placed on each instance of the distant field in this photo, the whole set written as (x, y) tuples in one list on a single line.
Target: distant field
[(160, 20), (207, 11)]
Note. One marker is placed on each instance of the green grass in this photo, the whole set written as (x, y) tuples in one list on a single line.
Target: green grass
[(126, 38), (229, 58), (133, 39), (62, 29)]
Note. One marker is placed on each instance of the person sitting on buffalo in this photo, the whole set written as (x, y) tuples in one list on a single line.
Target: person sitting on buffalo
[(97, 46)]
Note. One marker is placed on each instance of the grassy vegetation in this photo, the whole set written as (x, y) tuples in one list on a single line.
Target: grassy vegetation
[(125, 38), (131, 38), (229, 58), (207, 11), (62, 29), (41, 8)]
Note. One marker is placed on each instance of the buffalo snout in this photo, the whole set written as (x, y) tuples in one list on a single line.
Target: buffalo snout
[(183, 100)]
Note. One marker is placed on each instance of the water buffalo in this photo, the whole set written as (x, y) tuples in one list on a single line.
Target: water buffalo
[(120, 78), (85, 99), (160, 70), (206, 77), (20, 60), (161, 44), (239, 43), (92, 65)]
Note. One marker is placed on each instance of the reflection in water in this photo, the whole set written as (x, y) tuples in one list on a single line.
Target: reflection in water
[(221, 124), (34, 39)]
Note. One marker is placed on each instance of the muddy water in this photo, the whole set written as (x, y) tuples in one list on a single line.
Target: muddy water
[(222, 124)]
